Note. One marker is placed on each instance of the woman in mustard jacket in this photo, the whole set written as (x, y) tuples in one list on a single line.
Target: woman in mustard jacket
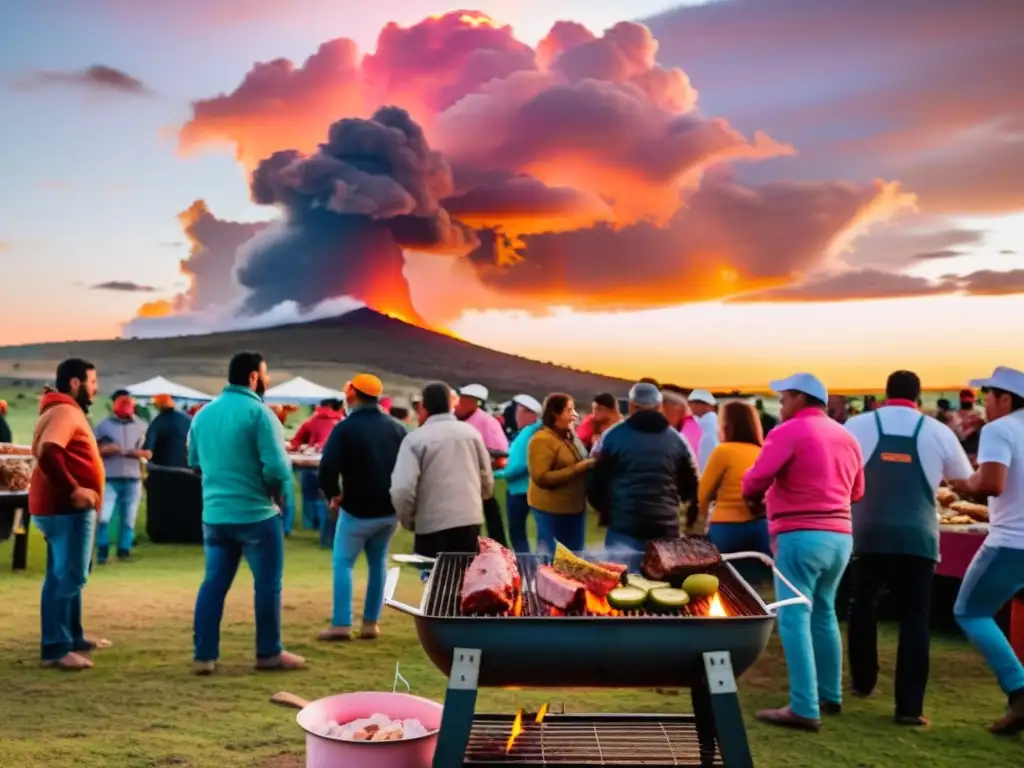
[(557, 492)]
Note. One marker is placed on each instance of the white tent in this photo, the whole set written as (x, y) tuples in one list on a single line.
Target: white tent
[(161, 386), (301, 391)]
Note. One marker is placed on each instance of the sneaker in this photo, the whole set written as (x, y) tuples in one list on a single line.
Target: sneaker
[(124, 557), (335, 634), (284, 661), (370, 631), (72, 662), (830, 707), (204, 668)]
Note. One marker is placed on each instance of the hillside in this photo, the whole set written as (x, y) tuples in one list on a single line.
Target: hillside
[(327, 351)]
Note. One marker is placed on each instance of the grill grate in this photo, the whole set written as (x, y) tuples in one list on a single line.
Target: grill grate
[(445, 586), (584, 740)]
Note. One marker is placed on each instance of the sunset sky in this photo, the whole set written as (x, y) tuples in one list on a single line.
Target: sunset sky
[(718, 195)]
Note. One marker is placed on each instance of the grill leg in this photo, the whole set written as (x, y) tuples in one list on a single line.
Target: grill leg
[(459, 708), (717, 709)]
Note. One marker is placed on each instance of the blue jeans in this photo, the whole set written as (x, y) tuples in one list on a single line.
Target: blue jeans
[(995, 575), (741, 537), (625, 549), (121, 496), (262, 544), (354, 535), (68, 551), (309, 484), (327, 525), (518, 511), (570, 530), (814, 561)]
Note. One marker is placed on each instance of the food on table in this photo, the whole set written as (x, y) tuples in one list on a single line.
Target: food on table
[(596, 578), (668, 559), (946, 496), (15, 472), (558, 590), (491, 581), (627, 598), (667, 597), (957, 520), (638, 581), (978, 512), (377, 727), (10, 449), (701, 584)]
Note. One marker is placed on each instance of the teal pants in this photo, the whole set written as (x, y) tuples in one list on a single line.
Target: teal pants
[(994, 576), (814, 561)]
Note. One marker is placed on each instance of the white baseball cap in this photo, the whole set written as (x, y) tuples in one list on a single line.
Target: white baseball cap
[(702, 396), (1007, 379), (529, 403), (805, 383), (477, 391)]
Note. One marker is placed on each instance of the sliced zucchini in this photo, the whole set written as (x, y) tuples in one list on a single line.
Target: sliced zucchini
[(638, 581), (627, 598), (667, 597)]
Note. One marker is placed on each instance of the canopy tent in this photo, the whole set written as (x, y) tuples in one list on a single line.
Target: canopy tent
[(161, 386), (301, 391)]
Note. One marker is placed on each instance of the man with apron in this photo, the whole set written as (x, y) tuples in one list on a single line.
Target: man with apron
[(896, 537)]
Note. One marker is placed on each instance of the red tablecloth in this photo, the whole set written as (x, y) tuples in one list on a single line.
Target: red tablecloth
[(957, 549)]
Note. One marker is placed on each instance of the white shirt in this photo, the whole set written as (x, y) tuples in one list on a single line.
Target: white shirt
[(938, 450), (708, 438), (1002, 442)]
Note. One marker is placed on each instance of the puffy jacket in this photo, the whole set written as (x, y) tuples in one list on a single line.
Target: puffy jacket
[(644, 471)]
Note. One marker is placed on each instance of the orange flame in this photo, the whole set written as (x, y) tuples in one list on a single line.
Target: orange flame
[(716, 608), (517, 608), (541, 712), (517, 728), (597, 606)]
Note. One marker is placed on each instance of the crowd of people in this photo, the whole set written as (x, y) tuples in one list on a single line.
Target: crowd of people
[(820, 491)]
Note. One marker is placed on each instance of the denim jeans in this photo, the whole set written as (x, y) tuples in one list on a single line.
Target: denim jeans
[(121, 496), (327, 525), (741, 537), (570, 530), (994, 576), (68, 551), (262, 545), (814, 561), (518, 511), (354, 535), (312, 501), (625, 549)]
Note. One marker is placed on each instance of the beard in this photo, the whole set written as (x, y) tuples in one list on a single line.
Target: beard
[(82, 398), (261, 388)]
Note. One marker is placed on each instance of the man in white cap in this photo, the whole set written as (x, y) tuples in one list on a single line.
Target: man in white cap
[(470, 409), (809, 473), (516, 471), (703, 405), (997, 572)]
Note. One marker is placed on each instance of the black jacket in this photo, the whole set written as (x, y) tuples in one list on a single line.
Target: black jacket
[(167, 438), (643, 472), (5, 431), (362, 450)]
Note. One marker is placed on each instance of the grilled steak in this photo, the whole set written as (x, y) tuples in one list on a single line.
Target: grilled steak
[(558, 590), (491, 581), (675, 558), (490, 545)]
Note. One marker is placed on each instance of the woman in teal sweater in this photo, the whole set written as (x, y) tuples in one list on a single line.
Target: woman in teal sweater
[(516, 474)]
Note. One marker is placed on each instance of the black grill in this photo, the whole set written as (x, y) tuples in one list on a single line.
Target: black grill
[(584, 740), (443, 597)]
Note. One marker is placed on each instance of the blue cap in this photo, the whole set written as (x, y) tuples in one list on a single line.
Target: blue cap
[(804, 383)]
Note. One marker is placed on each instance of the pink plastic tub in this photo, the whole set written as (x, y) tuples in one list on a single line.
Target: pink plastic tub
[(325, 752)]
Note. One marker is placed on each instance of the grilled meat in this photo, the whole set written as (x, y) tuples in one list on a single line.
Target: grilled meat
[(676, 558), (597, 578), (558, 590), (491, 581), (490, 545)]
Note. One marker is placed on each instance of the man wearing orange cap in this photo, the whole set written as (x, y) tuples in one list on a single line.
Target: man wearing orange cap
[(121, 438), (361, 451), (5, 429)]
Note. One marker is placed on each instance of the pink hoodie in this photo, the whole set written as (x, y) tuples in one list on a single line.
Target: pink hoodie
[(692, 432)]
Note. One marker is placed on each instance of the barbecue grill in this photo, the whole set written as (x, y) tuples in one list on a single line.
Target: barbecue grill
[(532, 646)]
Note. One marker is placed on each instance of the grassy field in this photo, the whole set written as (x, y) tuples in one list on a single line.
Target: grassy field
[(141, 706)]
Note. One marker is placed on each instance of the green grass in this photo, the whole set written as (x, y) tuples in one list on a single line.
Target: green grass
[(141, 706)]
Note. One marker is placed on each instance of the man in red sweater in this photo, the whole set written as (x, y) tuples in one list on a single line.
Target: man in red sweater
[(66, 490)]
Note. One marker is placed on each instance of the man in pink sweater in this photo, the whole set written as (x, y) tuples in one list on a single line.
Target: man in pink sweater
[(808, 474), (470, 408)]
